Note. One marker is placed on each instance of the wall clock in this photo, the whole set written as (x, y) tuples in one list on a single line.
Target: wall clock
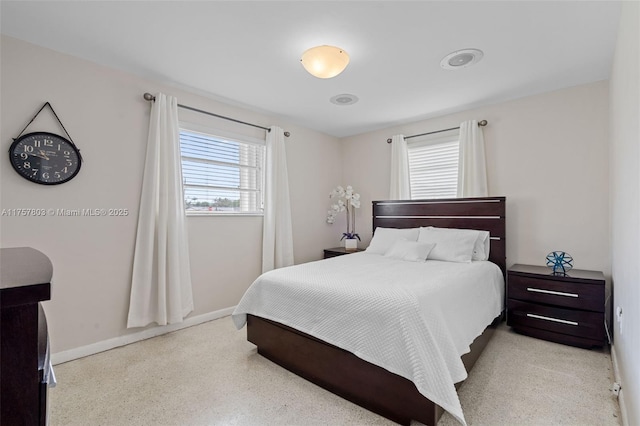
[(45, 158)]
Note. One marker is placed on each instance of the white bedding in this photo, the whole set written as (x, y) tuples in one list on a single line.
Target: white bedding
[(413, 319)]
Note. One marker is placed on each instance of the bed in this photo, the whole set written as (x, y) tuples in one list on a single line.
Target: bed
[(398, 390)]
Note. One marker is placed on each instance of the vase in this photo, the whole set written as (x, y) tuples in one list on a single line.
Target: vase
[(350, 244)]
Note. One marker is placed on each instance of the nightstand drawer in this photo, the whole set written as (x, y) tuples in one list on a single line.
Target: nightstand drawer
[(559, 293), (328, 254), (338, 251), (589, 325)]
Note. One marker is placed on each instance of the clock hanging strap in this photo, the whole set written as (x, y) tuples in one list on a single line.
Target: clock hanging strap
[(46, 104)]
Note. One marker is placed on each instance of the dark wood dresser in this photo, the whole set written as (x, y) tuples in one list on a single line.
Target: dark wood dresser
[(338, 251), (567, 309), (25, 276)]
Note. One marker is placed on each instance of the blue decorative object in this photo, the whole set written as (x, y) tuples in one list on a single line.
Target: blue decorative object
[(560, 261)]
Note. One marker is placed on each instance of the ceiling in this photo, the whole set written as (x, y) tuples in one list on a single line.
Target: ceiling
[(247, 53)]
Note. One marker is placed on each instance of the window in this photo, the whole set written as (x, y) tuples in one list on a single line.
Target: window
[(221, 175), (433, 165)]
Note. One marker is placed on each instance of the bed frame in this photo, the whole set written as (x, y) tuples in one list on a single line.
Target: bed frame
[(354, 379)]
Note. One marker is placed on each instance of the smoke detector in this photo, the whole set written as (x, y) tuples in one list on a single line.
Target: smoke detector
[(461, 59), (344, 99)]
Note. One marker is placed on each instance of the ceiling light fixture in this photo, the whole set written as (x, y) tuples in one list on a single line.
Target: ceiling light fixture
[(325, 61), (461, 59), (344, 99)]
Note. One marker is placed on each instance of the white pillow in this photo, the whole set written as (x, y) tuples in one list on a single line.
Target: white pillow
[(452, 245), (411, 251), (383, 238), (482, 246)]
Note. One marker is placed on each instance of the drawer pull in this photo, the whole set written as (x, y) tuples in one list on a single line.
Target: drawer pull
[(552, 319), (555, 293)]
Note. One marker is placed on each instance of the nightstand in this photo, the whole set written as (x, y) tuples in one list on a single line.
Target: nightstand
[(338, 251), (567, 309)]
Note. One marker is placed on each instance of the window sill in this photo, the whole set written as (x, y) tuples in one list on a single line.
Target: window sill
[(222, 214)]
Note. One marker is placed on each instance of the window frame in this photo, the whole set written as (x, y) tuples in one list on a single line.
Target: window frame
[(439, 138), (231, 137)]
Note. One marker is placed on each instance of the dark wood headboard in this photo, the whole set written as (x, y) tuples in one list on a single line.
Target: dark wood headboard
[(485, 214)]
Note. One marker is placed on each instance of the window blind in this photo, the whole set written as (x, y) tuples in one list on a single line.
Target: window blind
[(433, 166), (221, 175)]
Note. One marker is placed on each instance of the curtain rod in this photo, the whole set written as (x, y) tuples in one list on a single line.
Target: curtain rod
[(481, 123), (149, 97)]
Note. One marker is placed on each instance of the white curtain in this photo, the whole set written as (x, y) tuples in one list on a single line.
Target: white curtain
[(400, 188), (277, 234), (472, 169), (161, 282)]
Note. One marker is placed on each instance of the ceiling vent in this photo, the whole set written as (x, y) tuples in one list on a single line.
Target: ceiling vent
[(344, 99), (461, 59)]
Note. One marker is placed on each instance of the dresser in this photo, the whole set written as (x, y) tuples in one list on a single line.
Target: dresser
[(338, 251), (568, 309), (25, 276)]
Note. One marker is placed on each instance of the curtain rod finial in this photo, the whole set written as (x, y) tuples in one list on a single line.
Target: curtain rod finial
[(389, 140), (149, 97), (483, 123)]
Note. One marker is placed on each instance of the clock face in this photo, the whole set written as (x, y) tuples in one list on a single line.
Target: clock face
[(45, 158)]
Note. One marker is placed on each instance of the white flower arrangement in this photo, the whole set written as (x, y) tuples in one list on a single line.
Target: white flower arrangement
[(348, 201)]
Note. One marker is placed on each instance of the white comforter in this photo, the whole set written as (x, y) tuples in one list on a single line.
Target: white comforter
[(413, 319)]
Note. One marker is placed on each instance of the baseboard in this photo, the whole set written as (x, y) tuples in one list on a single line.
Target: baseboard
[(105, 345), (616, 377)]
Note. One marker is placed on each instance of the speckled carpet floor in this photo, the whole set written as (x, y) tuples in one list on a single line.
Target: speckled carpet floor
[(210, 375)]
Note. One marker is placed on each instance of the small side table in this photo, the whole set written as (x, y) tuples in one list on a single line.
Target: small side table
[(567, 309), (338, 251), (25, 276)]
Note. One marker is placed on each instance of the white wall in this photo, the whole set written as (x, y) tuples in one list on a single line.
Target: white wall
[(547, 154), (625, 205), (105, 114)]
